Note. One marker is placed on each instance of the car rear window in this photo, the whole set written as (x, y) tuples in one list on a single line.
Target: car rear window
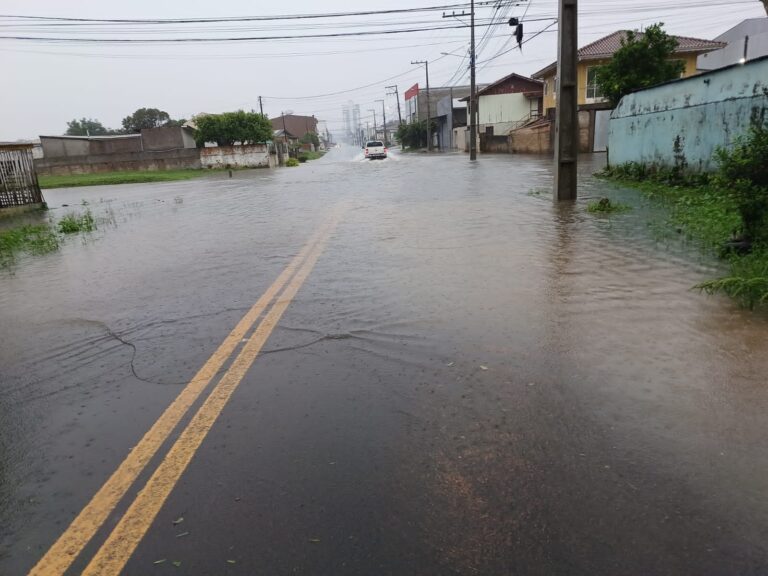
[(373, 144)]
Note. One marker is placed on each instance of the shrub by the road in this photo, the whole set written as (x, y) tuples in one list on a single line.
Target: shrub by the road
[(291, 162)]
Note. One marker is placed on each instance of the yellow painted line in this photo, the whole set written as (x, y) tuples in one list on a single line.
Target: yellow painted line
[(69, 545), (122, 542)]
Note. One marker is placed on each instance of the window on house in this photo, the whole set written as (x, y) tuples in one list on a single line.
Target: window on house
[(546, 87), (556, 84), (593, 90)]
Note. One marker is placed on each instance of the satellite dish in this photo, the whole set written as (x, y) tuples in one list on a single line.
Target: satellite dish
[(288, 112)]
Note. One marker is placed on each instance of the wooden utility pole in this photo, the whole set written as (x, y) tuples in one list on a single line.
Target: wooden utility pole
[(567, 122), (429, 113), (261, 106), (472, 94)]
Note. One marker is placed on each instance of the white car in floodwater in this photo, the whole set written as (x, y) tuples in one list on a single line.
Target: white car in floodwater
[(375, 149)]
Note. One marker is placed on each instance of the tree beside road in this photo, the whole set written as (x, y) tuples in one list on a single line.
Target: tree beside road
[(644, 60), (230, 127)]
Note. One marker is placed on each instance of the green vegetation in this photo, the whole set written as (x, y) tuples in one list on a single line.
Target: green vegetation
[(47, 237), (34, 239), (129, 177), (605, 206), (727, 212), (230, 127), (148, 118), (310, 138), (86, 127), (743, 176), (73, 223), (748, 282), (642, 61), (413, 135), (309, 155), (292, 162), (133, 124)]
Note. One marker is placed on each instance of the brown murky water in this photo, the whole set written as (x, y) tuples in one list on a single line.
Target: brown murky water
[(472, 381)]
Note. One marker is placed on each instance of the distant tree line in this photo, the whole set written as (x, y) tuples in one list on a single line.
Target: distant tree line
[(224, 129), (132, 124)]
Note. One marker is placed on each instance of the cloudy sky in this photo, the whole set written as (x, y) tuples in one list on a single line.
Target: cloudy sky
[(46, 83)]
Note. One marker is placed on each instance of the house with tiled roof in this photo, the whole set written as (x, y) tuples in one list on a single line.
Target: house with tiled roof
[(594, 111), (601, 51)]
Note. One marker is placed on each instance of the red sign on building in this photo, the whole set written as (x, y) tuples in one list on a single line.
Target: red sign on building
[(412, 91)]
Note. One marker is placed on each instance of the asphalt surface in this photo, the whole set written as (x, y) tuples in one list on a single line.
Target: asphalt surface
[(468, 380)]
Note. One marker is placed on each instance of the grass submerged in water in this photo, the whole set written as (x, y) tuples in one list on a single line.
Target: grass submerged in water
[(43, 238), (73, 223), (709, 217), (30, 238), (128, 177), (605, 206)]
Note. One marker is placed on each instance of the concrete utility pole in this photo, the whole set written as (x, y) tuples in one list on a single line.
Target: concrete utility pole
[(567, 123), (384, 115), (429, 114), (472, 94), (261, 106), (397, 96)]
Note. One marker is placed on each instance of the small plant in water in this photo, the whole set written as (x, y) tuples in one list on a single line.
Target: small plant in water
[(73, 223), (747, 284), (605, 206), (35, 239), (291, 162)]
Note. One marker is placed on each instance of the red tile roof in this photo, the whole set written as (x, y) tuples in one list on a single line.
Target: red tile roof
[(607, 46)]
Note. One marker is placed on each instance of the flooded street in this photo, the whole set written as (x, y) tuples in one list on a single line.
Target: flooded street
[(468, 380)]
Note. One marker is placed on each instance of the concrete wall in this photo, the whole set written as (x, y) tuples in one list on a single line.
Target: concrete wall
[(158, 139), (239, 156), (683, 122), (497, 144), (180, 158), (115, 145), (62, 147), (534, 139), (167, 138), (93, 163)]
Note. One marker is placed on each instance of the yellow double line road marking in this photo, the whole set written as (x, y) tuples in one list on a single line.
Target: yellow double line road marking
[(112, 556)]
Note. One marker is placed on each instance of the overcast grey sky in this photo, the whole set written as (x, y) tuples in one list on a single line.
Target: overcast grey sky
[(46, 84)]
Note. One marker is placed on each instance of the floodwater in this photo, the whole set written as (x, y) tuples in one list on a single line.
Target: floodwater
[(472, 380)]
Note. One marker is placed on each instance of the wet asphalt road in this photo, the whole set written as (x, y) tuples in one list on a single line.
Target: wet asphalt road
[(469, 381)]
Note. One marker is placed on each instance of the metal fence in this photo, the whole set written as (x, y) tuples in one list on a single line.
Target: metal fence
[(18, 179)]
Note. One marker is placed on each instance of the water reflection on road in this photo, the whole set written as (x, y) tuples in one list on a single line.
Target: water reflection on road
[(501, 385)]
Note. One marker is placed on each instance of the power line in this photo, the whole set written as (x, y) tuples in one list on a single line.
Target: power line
[(230, 39), (346, 91), (237, 18), (206, 56)]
